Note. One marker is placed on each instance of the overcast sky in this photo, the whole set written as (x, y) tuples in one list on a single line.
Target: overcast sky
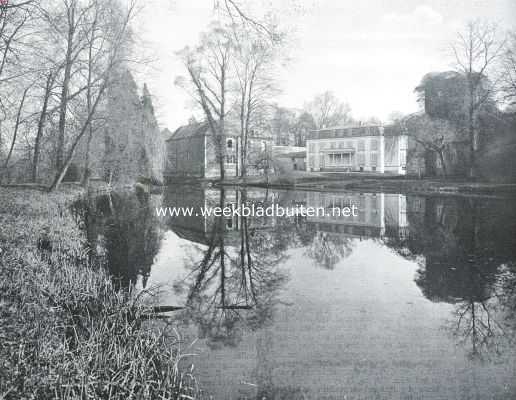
[(371, 53)]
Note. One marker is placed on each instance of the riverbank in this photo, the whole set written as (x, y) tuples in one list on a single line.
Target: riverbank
[(335, 182), (66, 331)]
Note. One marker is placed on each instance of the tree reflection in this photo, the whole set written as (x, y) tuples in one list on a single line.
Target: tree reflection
[(464, 244), (506, 293), (327, 249), (123, 233), (235, 284)]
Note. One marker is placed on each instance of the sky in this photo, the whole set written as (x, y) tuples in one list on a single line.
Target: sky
[(370, 53)]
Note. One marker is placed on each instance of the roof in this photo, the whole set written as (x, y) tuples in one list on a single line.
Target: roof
[(393, 130), (357, 131), (346, 131), (166, 134), (190, 130), (196, 129)]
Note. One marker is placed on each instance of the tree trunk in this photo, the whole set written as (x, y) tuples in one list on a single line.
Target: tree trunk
[(15, 134), (472, 144), (64, 91), (41, 126), (61, 174), (443, 163), (86, 173)]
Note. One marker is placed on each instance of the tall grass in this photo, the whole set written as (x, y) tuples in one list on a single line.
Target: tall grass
[(66, 332)]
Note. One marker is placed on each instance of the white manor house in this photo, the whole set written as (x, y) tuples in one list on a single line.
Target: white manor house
[(373, 148)]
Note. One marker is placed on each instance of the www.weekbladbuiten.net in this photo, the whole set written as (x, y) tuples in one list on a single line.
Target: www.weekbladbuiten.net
[(243, 210)]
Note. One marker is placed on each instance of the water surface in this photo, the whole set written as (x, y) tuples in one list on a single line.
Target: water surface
[(414, 298)]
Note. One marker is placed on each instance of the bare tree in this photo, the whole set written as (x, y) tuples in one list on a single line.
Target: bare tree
[(15, 20), (16, 126), (255, 62), (109, 55), (12, 22), (476, 51), (93, 36), (6, 5), (434, 135), (509, 71), (328, 110), (49, 84), (68, 23), (240, 17), (209, 68)]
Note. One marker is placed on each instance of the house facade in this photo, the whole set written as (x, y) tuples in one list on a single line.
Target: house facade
[(192, 152), (367, 148)]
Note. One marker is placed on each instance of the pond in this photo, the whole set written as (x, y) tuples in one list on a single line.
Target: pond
[(412, 298)]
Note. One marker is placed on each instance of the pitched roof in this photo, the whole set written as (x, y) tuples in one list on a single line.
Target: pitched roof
[(190, 130), (166, 134)]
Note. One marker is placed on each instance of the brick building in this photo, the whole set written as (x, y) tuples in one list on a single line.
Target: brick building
[(191, 151)]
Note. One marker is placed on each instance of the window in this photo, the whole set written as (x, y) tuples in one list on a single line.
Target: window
[(374, 144), (361, 145), (403, 156), (229, 223), (229, 143), (374, 158), (361, 158), (341, 145), (231, 159)]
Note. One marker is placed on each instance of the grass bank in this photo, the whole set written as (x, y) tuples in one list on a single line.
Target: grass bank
[(365, 182), (65, 331)]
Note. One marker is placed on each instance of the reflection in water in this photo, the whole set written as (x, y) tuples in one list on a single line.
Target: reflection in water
[(235, 283), (466, 244), (123, 234), (379, 215), (245, 276)]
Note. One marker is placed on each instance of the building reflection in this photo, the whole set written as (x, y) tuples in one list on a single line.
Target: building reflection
[(378, 214), (464, 249), (233, 281)]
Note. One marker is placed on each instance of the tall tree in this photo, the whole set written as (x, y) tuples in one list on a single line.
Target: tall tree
[(209, 74), (303, 126), (110, 54), (509, 71), (328, 110), (476, 52), (256, 57), (16, 127)]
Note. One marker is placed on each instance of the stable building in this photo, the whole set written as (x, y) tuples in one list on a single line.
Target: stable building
[(363, 148), (191, 152)]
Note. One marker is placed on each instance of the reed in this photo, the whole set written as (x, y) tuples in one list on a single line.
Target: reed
[(66, 331)]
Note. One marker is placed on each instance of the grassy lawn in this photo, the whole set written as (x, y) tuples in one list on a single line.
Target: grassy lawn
[(65, 331)]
